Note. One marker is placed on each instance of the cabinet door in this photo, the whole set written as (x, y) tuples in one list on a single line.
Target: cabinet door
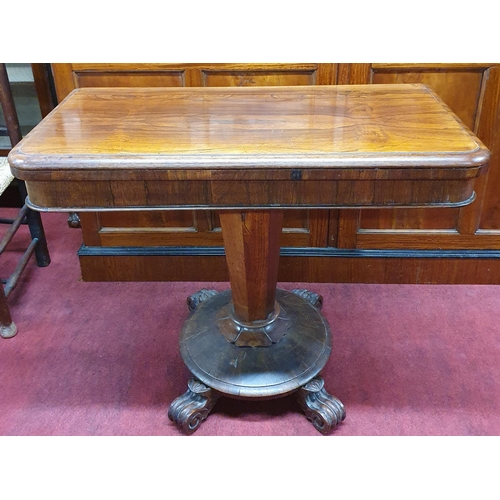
[(302, 228), (471, 91)]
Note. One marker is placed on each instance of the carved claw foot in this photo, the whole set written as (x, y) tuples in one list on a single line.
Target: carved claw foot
[(315, 299), (194, 300), (323, 410), (189, 410)]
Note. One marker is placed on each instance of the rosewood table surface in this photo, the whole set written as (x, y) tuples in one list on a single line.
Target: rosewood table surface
[(250, 153)]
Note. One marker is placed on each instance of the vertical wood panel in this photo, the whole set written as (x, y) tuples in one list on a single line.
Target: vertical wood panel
[(348, 224), (193, 77), (90, 228), (343, 72), (486, 213), (348, 221), (326, 74), (64, 79), (460, 90), (354, 74), (360, 74), (318, 228), (464, 89), (43, 88)]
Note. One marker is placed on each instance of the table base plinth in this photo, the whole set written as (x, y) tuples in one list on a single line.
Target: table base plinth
[(222, 368)]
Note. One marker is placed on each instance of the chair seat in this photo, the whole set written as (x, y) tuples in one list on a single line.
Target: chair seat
[(6, 176)]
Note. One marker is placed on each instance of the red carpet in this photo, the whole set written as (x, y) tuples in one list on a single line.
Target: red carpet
[(102, 358)]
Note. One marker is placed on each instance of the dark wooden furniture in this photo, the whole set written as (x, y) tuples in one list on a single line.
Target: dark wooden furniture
[(251, 154), (387, 245), (38, 243)]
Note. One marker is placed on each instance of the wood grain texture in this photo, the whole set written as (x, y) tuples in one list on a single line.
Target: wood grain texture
[(313, 126), (378, 145), (261, 372), (64, 79), (460, 87), (458, 270), (252, 243), (169, 78), (181, 227), (486, 123), (69, 76), (43, 87), (471, 91), (250, 78), (100, 195), (325, 230), (445, 84), (486, 215)]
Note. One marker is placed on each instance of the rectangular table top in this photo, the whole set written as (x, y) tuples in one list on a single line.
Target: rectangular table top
[(316, 133)]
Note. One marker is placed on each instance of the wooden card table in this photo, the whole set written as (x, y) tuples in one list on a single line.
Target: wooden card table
[(251, 153)]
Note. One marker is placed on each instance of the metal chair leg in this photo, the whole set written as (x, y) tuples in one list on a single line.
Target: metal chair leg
[(36, 230)]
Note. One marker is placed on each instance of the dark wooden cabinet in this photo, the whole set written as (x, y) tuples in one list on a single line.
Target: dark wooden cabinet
[(452, 245)]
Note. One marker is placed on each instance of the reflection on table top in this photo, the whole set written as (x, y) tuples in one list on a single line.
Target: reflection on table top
[(359, 126)]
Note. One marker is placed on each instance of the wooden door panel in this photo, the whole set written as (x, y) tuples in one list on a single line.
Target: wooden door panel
[(156, 218), (296, 220), (411, 218), (459, 89), (490, 220), (157, 228), (234, 78), (300, 228), (170, 229), (130, 79), (462, 88), (489, 132)]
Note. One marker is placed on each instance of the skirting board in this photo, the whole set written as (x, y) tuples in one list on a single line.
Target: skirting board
[(320, 265)]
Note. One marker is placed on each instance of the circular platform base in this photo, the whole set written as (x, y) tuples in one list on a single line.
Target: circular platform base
[(256, 372)]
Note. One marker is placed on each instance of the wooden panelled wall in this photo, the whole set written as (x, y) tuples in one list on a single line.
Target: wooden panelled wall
[(451, 245)]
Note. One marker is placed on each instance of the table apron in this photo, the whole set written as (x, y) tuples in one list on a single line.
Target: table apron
[(220, 195)]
